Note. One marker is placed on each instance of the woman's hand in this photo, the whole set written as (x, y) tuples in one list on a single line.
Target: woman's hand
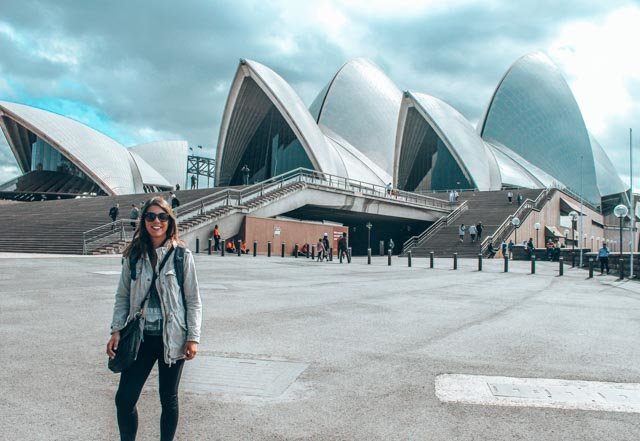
[(112, 344), (190, 350)]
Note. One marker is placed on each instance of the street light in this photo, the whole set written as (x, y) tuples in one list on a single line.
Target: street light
[(516, 223), (537, 227), (620, 211), (574, 218)]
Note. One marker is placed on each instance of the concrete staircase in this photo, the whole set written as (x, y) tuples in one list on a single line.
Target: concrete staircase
[(56, 226), (489, 207)]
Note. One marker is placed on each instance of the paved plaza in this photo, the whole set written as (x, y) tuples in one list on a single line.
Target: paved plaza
[(294, 350)]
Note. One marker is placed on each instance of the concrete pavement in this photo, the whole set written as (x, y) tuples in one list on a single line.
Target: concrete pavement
[(365, 344)]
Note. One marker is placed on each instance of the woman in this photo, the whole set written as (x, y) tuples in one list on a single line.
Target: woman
[(171, 318)]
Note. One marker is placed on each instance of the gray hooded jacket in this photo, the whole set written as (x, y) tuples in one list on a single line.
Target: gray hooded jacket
[(175, 331)]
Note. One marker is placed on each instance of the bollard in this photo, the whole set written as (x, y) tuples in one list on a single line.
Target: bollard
[(307, 251), (533, 264), (431, 259), (591, 267), (389, 258), (210, 246), (621, 263), (283, 247), (313, 252), (368, 256), (238, 250), (506, 264), (573, 260), (480, 262), (222, 247), (349, 255), (268, 249), (255, 248), (455, 261), (197, 245), (409, 259), (295, 250), (330, 254), (561, 266)]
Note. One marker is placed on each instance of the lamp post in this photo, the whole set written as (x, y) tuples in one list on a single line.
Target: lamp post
[(537, 227), (621, 211), (592, 243), (566, 237), (369, 225), (574, 218), (516, 223)]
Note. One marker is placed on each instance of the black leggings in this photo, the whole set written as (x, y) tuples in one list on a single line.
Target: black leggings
[(132, 381)]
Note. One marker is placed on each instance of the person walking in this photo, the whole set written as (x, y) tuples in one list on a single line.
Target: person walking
[(461, 230), (472, 232), (342, 247), (510, 248), (175, 203), (133, 215), (519, 199), (216, 238), (603, 256), (113, 214), (171, 316), (193, 182), (392, 245), (530, 248), (389, 187), (510, 197), (245, 174), (479, 230), (321, 250), (503, 248), (327, 247)]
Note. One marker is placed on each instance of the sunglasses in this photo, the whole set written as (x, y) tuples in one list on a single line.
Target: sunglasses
[(150, 217)]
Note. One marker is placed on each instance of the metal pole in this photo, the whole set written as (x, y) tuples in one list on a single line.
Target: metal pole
[(209, 251), (368, 256), (282, 248), (238, 250), (621, 263), (431, 259), (581, 208), (561, 265), (197, 245), (389, 258), (506, 264), (295, 250), (480, 262), (268, 249), (313, 252), (409, 259), (307, 251), (591, 267), (455, 261), (533, 264), (632, 207), (255, 248), (222, 247)]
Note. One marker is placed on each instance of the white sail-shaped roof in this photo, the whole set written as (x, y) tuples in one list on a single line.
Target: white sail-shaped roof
[(609, 181), (148, 174), (168, 158), (361, 104), (98, 156), (458, 135), (232, 141)]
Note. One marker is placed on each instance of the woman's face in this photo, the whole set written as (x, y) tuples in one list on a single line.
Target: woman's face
[(156, 221)]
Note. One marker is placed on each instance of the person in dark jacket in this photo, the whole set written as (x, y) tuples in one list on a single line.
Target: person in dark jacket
[(325, 241), (342, 247), (113, 214)]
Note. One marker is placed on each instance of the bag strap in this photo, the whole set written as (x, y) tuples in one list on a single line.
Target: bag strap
[(178, 263)]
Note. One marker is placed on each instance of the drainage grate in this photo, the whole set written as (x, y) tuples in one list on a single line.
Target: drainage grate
[(539, 392), (237, 376)]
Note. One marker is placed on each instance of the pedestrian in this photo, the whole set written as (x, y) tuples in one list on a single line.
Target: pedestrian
[(177, 187), (530, 248), (113, 214), (479, 230), (389, 187), (245, 174), (510, 196), (472, 232), (342, 247), (510, 248), (519, 199), (171, 316), (216, 238), (392, 245), (327, 246), (175, 203), (193, 182), (491, 250), (550, 249), (603, 255), (503, 248), (133, 215), (461, 230), (456, 195), (451, 197), (321, 249)]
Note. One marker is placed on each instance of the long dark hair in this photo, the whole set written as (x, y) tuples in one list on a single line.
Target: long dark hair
[(141, 242)]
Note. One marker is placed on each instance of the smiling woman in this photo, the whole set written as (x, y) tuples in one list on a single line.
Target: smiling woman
[(162, 293)]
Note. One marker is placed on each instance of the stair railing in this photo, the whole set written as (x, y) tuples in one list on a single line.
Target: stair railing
[(506, 228), (107, 234), (434, 228)]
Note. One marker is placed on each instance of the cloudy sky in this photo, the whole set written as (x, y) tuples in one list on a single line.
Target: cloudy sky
[(148, 70)]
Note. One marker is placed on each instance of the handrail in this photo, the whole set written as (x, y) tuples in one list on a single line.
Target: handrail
[(528, 205), (435, 227)]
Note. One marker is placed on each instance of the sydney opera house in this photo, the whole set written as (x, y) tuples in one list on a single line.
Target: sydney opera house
[(360, 126), (59, 155)]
